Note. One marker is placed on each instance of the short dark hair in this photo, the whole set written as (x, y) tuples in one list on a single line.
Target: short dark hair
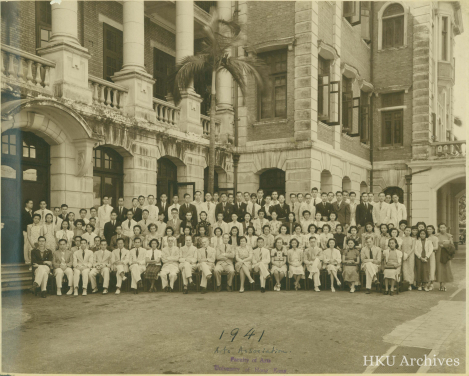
[(314, 189), (83, 210), (186, 194), (63, 240), (141, 196), (41, 237), (61, 206)]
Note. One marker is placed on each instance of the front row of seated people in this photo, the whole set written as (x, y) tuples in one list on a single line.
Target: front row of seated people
[(225, 258)]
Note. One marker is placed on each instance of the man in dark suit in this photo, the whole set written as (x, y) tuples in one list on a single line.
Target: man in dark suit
[(188, 207), (163, 206), (26, 219), (136, 211), (240, 206), (110, 227), (282, 209), (364, 213), (121, 211), (324, 207), (260, 197), (342, 209), (224, 207), (64, 210), (113, 245)]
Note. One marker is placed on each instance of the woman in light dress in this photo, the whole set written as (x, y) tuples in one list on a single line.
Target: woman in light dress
[(251, 238), (331, 262), (295, 263), (333, 222), (312, 260), (65, 233), (434, 239), (392, 265), (244, 262), (382, 239), (394, 234), (284, 236), (269, 239), (325, 236), (423, 250), (408, 257), (274, 224), (353, 211), (350, 262), (279, 263), (35, 230), (49, 233), (444, 273), (369, 231), (217, 238), (318, 221), (312, 232), (153, 234), (89, 235), (299, 237), (137, 234), (153, 262)]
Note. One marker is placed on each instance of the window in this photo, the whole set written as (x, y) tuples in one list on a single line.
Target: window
[(43, 23), (163, 67), (392, 99), (364, 118), (352, 12), (112, 51), (393, 120), (29, 151), (444, 39), (350, 109), (328, 94), (107, 175), (107, 160), (273, 103), (9, 144), (393, 26)]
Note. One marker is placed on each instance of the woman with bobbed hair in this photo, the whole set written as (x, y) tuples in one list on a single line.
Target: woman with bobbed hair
[(392, 265), (279, 263), (444, 254), (350, 262), (331, 262), (295, 263), (244, 262), (423, 250)]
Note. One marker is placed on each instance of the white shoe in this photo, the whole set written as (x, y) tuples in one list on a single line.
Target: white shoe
[(241, 290), (352, 290), (76, 291), (94, 291), (420, 289), (410, 288), (426, 289), (316, 289), (84, 292), (70, 291), (105, 291), (118, 291), (278, 287), (124, 278), (431, 287), (332, 289), (59, 292), (338, 283)]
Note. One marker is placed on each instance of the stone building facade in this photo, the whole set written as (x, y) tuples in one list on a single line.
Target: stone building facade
[(361, 100)]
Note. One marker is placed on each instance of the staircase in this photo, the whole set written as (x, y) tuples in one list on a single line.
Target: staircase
[(16, 277)]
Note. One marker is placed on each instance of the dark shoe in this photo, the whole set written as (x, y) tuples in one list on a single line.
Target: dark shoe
[(171, 289), (34, 288), (228, 288), (386, 293), (43, 294), (192, 284), (185, 291), (139, 284), (218, 288), (135, 291), (368, 291), (391, 293), (262, 289), (204, 290), (166, 289)]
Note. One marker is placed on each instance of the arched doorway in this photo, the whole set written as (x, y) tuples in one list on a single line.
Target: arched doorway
[(216, 187), (395, 191), (167, 181), (451, 205), (346, 184), (326, 181), (25, 174), (108, 175), (272, 180)]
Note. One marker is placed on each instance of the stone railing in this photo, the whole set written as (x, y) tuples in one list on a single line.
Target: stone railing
[(166, 112), (26, 70), (205, 121), (448, 149), (107, 93)]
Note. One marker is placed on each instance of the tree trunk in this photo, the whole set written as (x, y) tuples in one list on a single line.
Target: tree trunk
[(211, 152)]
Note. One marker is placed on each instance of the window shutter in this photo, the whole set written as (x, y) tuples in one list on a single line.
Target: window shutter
[(349, 8), (355, 126), (334, 103), (323, 98), (365, 123), (435, 137)]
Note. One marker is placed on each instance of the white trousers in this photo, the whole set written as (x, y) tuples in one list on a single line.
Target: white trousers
[(314, 272), (136, 272), (228, 268), (172, 270), (206, 269), (94, 273), (76, 277), (41, 275), (27, 249), (59, 276), (263, 272), (187, 269), (370, 271), (119, 269)]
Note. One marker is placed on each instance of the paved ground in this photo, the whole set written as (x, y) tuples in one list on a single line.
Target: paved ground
[(173, 333)]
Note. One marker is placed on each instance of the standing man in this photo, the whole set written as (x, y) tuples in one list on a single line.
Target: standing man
[(121, 210), (206, 263), (388, 199), (315, 199), (56, 220), (209, 207), (137, 264), (82, 264), (141, 202), (371, 198), (187, 207), (353, 209), (163, 206), (331, 198), (309, 206), (345, 197), (231, 198), (175, 204), (261, 261), (398, 211), (253, 207), (187, 262), (275, 198), (199, 205), (152, 209), (225, 208), (240, 205), (110, 227), (43, 211), (342, 210), (27, 219), (63, 262), (282, 209), (104, 211), (128, 224), (175, 222), (260, 197), (324, 207), (294, 206), (381, 212), (364, 214), (136, 211), (120, 263), (268, 207), (101, 265), (98, 227)]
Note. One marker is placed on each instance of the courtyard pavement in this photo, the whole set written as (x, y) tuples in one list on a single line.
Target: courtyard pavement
[(294, 332)]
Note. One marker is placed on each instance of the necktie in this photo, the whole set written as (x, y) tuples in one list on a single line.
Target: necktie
[(55, 220), (208, 206), (145, 222), (113, 223), (152, 254), (120, 210), (30, 213), (253, 210), (205, 252), (137, 252), (42, 215), (83, 255), (380, 205), (120, 254), (371, 254)]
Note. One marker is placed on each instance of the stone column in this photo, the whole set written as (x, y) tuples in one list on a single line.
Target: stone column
[(224, 83), (139, 101), (336, 74), (70, 76), (190, 103), (243, 120)]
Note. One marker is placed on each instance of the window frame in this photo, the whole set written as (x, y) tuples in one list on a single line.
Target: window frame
[(381, 31), (111, 54), (445, 40), (354, 16), (163, 55), (41, 24), (392, 114)]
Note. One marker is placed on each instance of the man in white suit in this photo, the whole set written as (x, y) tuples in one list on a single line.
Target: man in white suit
[(206, 263), (101, 265), (187, 262), (137, 264), (152, 209), (43, 211), (307, 205), (104, 212), (253, 207), (120, 263), (128, 225), (209, 207), (398, 211), (82, 263), (381, 212)]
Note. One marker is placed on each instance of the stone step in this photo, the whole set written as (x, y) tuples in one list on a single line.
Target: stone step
[(16, 285)]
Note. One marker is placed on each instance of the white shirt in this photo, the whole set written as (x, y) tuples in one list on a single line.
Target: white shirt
[(104, 213), (43, 214), (125, 227), (57, 221), (152, 212)]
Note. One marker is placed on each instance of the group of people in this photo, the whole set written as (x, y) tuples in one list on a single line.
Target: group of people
[(247, 233)]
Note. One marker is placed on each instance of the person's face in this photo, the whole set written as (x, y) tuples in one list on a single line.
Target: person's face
[(145, 215), (395, 198), (315, 194), (220, 217), (261, 215), (223, 198), (429, 231), (351, 244), (129, 215), (253, 199), (208, 197), (442, 228), (29, 205), (268, 200), (283, 230), (64, 211), (174, 213), (41, 243), (365, 198), (62, 246), (308, 198), (138, 243), (120, 244), (152, 229), (79, 225), (298, 230), (154, 245), (353, 231), (331, 244), (338, 229), (239, 197), (318, 216), (188, 216), (88, 229), (402, 226), (187, 199), (197, 196), (383, 229), (188, 241), (352, 198), (141, 201), (300, 198), (324, 197), (246, 197), (274, 216), (333, 217), (205, 243), (260, 243), (230, 199), (394, 233), (42, 204), (105, 201), (345, 195), (134, 203), (56, 212), (275, 196), (371, 197), (339, 196), (369, 228), (390, 226), (64, 225), (151, 199), (388, 198), (93, 213), (161, 217), (290, 217), (226, 239), (137, 231), (120, 202), (306, 215), (330, 196), (260, 194), (113, 216), (381, 197), (281, 199), (242, 242), (421, 227), (170, 241), (423, 235), (234, 217), (407, 232), (392, 244), (369, 242), (325, 229), (83, 244), (119, 230), (203, 216), (103, 246), (215, 197), (82, 214), (266, 231), (247, 217), (164, 197), (176, 199), (293, 199)]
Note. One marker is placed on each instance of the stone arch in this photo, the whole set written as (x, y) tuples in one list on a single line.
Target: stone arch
[(326, 181), (346, 184)]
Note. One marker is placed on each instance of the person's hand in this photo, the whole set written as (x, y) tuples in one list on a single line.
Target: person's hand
[(35, 265)]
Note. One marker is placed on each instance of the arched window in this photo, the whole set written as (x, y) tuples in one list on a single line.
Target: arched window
[(167, 178), (108, 173), (272, 180), (392, 26), (326, 181)]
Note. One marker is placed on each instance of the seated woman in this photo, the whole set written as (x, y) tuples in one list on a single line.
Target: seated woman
[(369, 231), (89, 235), (318, 221), (353, 234), (284, 236), (423, 250), (295, 263), (299, 236), (333, 222), (331, 262), (168, 232), (234, 236), (291, 223), (339, 237), (392, 265), (350, 262), (269, 239), (325, 236), (382, 240), (279, 263), (153, 263), (41, 260), (79, 229), (274, 224), (250, 237), (187, 231), (202, 233), (244, 262), (204, 223), (153, 234), (137, 234), (371, 262), (394, 233), (217, 239), (312, 260), (65, 233)]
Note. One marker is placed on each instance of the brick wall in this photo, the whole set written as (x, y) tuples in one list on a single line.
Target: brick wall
[(353, 146), (326, 133), (354, 50), (158, 34), (21, 32), (326, 11)]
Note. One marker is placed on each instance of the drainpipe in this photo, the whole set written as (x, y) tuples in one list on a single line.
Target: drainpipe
[(408, 180), (235, 113), (371, 97)]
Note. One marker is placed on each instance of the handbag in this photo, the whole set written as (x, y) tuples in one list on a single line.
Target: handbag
[(447, 253)]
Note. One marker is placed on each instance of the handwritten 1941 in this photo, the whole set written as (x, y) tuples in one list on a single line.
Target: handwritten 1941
[(249, 334)]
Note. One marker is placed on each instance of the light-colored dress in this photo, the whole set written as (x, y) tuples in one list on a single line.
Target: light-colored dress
[(443, 271), (301, 240), (395, 257), (36, 231), (350, 273), (241, 254), (434, 240), (278, 257), (408, 264), (295, 255), (333, 225), (274, 227), (49, 234), (333, 257), (353, 211)]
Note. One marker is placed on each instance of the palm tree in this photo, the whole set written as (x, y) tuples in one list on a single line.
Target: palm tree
[(220, 36)]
